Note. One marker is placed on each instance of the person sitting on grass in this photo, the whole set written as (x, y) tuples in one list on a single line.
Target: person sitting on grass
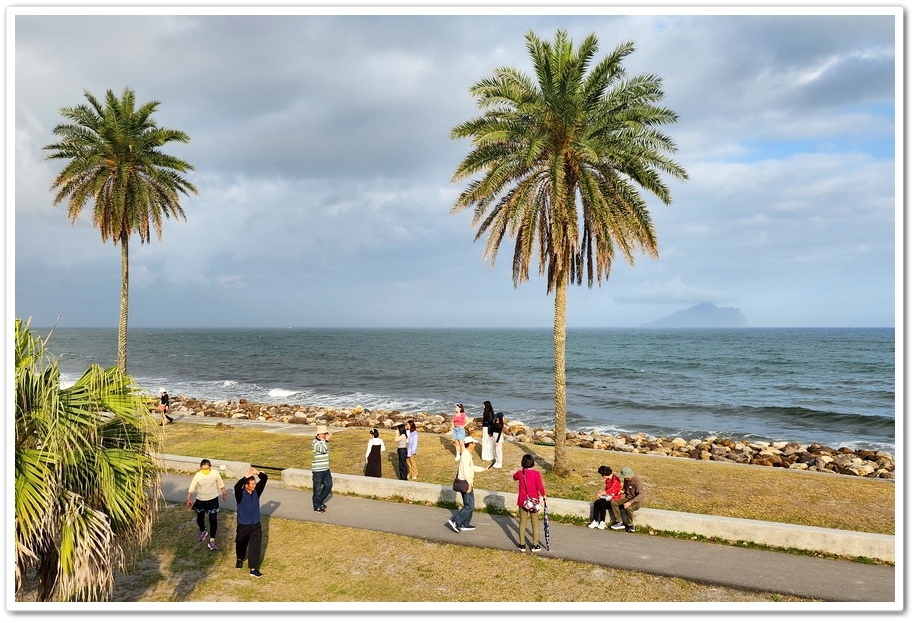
[(624, 508)]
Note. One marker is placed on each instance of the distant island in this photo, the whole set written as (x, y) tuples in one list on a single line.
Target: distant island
[(704, 315)]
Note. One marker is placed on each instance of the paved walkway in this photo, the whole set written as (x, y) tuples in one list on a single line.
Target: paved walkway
[(827, 580)]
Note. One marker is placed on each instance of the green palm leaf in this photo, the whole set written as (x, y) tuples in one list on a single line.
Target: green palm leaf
[(113, 159), (85, 475), (559, 163)]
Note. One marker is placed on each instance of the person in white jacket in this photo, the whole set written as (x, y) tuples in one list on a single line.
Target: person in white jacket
[(208, 483), (466, 470)]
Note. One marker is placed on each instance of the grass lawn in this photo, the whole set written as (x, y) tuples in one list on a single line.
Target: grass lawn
[(686, 485)]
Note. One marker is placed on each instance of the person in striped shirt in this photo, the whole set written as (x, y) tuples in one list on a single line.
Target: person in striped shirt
[(322, 483)]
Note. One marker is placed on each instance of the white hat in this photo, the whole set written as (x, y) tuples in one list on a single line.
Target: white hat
[(321, 430), (161, 390), (468, 440)]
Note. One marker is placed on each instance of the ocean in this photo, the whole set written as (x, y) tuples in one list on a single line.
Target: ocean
[(831, 386)]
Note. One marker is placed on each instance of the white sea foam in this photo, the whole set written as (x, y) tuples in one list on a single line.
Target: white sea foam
[(281, 393)]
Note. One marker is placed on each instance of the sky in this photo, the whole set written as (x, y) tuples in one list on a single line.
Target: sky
[(323, 159)]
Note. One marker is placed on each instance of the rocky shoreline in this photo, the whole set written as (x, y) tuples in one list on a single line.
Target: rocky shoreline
[(788, 455)]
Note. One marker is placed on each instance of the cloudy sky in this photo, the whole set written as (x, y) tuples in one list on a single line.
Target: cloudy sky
[(322, 155)]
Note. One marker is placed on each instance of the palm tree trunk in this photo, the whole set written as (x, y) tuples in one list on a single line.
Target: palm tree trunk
[(560, 467), (122, 320)]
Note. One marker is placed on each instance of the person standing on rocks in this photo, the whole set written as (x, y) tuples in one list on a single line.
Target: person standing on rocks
[(248, 532), (322, 483), (459, 421), (624, 508), (486, 438), (496, 429), (163, 406), (413, 444)]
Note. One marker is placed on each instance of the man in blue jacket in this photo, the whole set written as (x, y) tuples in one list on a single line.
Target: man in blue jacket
[(248, 520)]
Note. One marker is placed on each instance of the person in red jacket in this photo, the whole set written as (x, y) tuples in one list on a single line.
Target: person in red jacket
[(612, 491), (530, 485)]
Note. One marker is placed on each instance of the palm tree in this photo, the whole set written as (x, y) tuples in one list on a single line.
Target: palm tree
[(84, 475), (560, 161), (115, 161)]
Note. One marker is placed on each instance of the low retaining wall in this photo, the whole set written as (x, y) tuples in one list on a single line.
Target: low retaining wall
[(840, 542)]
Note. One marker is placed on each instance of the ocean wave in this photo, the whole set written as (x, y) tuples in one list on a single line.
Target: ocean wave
[(282, 393)]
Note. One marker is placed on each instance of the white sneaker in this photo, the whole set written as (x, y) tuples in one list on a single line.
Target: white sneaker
[(594, 524), (457, 457), (498, 466), (601, 525)]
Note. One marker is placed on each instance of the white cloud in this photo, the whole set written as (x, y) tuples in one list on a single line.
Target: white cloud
[(322, 155)]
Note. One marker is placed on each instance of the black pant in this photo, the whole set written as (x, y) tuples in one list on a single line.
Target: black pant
[(600, 509), (402, 463), (213, 523), (248, 544)]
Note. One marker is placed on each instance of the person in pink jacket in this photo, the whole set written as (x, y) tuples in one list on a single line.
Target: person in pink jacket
[(530, 484)]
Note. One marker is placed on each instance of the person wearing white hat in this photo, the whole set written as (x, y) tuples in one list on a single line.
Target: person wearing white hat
[(466, 470)]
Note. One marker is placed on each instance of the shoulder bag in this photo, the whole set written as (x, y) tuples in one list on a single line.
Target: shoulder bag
[(530, 504), (461, 486)]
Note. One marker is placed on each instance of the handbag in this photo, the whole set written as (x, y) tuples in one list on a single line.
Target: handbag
[(530, 504), (461, 486)]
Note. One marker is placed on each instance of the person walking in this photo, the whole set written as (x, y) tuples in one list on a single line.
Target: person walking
[(466, 470), (400, 441), (374, 450), (163, 407), (248, 533), (602, 503), (530, 486), (486, 438), (496, 429), (624, 508), (209, 485), (322, 483), (413, 444), (459, 421)]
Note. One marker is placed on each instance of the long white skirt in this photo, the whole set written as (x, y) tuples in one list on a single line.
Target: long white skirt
[(486, 445)]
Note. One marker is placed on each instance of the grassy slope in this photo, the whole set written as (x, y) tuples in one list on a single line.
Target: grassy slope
[(715, 488)]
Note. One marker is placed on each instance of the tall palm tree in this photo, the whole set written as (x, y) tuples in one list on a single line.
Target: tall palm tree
[(115, 160), (84, 472), (561, 160)]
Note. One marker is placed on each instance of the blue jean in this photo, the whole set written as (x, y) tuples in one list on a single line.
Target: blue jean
[(321, 487), (463, 517)]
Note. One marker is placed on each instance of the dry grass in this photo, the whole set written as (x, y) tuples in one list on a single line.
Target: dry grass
[(714, 488), (338, 565), (326, 563)]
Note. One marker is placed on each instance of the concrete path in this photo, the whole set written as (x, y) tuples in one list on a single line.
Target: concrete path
[(804, 576)]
